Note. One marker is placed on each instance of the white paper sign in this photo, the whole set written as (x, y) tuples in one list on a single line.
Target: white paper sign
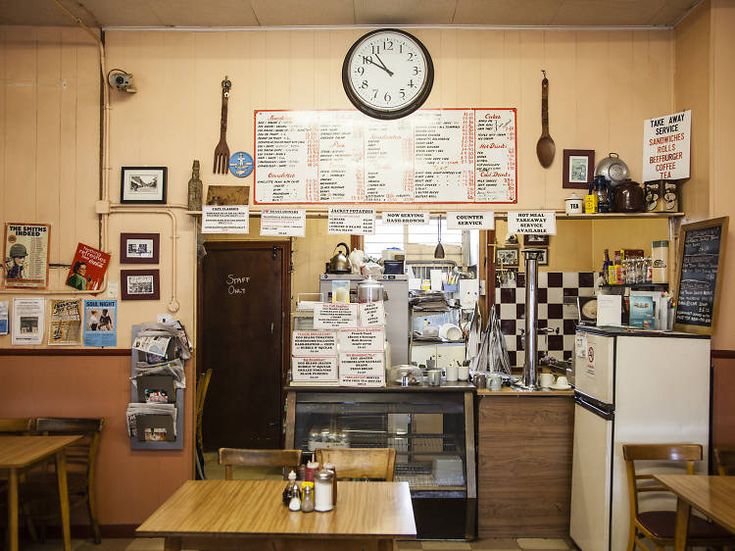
[(372, 314), (609, 310), (314, 344), (542, 222), (4, 319), (354, 221), (361, 340), (29, 315), (314, 369), (361, 370), (471, 220), (666, 147), (225, 219), (406, 218), (334, 315), (283, 222)]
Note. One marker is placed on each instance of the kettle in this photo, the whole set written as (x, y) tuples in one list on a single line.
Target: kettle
[(339, 263), (629, 197)]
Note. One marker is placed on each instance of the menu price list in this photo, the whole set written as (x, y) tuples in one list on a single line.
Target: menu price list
[(433, 156), (698, 280)]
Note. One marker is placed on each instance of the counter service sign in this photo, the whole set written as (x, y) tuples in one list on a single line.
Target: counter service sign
[(666, 143)]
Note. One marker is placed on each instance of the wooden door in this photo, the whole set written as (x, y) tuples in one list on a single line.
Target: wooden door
[(244, 304)]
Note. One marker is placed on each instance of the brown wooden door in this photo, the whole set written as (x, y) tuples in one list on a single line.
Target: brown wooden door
[(244, 296)]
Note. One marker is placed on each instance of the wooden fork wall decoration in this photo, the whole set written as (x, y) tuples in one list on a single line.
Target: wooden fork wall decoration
[(222, 152)]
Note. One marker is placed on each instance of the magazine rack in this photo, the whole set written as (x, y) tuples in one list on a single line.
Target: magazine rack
[(136, 444)]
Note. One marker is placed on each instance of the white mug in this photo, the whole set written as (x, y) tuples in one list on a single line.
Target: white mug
[(495, 381), (545, 380), (463, 373), (562, 381), (452, 374)]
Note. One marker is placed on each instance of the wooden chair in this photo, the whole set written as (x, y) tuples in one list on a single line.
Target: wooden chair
[(725, 459), (16, 425), (39, 488), (230, 457), (659, 526), (360, 463), (201, 396)]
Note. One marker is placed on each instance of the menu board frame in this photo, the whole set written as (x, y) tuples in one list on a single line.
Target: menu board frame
[(721, 223), (313, 155)]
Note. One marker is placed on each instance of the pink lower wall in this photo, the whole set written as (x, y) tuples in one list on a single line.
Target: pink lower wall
[(130, 484)]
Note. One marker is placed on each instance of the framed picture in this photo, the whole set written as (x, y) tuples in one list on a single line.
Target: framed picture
[(139, 248), (579, 166), (140, 284), (535, 240), (25, 255), (507, 257), (543, 258), (143, 185)]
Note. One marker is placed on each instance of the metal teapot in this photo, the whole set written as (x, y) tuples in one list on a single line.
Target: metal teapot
[(339, 263)]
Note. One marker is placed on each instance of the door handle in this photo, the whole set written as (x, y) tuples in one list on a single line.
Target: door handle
[(272, 328)]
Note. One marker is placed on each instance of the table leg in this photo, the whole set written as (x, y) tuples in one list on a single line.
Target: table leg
[(172, 544), (13, 509), (682, 524), (63, 498)]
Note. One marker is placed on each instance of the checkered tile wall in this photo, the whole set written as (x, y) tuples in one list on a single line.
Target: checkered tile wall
[(557, 308)]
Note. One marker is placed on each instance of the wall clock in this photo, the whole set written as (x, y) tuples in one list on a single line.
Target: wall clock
[(387, 74)]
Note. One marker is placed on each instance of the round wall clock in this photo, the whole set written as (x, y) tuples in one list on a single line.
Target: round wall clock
[(387, 74)]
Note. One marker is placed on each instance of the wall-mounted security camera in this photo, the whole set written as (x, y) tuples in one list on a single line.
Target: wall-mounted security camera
[(121, 80)]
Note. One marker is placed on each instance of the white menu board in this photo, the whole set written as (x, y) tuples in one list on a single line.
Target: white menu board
[(314, 344), (314, 369), (334, 315), (433, 156), (666, 147), (361, 369), (361, 340)]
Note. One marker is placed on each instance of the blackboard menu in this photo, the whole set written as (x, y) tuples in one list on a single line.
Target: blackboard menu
[(701, 249), (433, 156)]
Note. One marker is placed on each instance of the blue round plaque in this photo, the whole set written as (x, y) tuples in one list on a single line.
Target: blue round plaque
[(241, 164)]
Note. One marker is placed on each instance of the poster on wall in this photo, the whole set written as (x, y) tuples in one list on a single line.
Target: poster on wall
[(666, 147), (25, 255), (65, 327), (283, 222), (88, 268), (100, 323), (29, 315), (535, 223), (433, 156), (225, 219), (4, 318), (352, 221)]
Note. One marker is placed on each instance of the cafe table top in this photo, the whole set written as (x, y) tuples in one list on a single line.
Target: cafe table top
[(17, 452), (712, 495), (255, 508)]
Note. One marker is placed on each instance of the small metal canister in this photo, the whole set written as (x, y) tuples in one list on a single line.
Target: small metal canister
[(479, 380), (661, 196)]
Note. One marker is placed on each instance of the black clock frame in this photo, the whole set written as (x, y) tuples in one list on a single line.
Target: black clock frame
[(370, 111)]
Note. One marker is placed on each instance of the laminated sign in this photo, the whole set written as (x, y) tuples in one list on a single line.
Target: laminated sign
[(361, 369), (372, 314), (540, 223), (314, 369), (666, 147), (361, 340), (334, 315), (314, 344)]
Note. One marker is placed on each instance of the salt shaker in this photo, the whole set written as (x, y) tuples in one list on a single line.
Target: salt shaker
[(307, 503), (323, 486)]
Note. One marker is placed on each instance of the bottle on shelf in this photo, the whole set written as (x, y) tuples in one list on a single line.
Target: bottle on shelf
[(590, 200), (606, 266), (291, 490)]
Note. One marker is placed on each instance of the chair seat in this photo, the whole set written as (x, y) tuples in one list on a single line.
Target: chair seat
[(43, 483), (661, 524)]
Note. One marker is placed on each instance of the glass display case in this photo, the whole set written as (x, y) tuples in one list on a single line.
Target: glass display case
[(431, 429)]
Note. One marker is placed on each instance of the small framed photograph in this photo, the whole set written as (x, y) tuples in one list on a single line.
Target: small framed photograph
[(506, 257), (143, 185), (140, 284), (535, 240), (579, 166), (139, 248), (543, 257)]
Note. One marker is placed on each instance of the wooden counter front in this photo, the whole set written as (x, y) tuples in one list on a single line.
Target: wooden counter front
[(524, 463)]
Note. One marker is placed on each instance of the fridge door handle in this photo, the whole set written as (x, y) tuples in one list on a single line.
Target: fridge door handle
[(580, 401)]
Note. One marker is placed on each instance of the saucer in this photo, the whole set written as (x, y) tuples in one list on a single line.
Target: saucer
[(560, 387)]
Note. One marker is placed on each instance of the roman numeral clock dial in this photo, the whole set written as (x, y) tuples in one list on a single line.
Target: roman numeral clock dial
[(387, 74)]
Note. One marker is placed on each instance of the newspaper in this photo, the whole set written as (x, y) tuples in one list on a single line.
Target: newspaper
[(135, 409), (66, 322), (152, 344), (173, 367)]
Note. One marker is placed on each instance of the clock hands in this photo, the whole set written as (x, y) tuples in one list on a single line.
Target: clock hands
[(382, 65)]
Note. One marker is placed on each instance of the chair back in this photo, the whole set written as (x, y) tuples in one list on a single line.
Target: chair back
[(725, 459), (16, 425), (230, 457), (82, 456), (202, 387), (682, 455), (360, 463)]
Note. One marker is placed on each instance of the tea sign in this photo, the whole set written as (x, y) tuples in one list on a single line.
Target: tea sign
[(666, 147)]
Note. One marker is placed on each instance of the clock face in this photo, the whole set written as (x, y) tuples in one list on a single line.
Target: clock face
[(388, 74)]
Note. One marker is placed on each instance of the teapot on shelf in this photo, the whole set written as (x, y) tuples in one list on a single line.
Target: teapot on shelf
[(339, 263)]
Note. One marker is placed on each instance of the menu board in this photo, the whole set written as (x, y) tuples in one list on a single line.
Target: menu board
[(433, 156), (701, 251)]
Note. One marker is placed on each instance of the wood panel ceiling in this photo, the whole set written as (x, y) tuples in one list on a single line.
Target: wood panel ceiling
[(273, 13)]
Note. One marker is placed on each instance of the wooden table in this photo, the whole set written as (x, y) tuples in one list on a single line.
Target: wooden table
[(221, 514), (712, 495), (20, 452)]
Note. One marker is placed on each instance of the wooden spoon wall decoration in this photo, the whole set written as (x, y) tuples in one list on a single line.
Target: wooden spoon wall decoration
[(545, 147)]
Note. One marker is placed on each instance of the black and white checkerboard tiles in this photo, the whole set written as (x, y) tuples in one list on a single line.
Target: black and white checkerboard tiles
[(554, 313)]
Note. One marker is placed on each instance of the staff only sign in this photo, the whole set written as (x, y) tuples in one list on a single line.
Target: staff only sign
[(666, 147)]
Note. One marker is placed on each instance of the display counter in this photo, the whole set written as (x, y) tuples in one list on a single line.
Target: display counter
[(432, 430)]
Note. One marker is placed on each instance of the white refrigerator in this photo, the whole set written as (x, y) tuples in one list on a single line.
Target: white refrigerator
[(631, 386)]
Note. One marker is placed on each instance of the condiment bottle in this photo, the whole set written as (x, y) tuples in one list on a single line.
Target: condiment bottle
[(307, 503), (323, 486), (660, 255), (330, 467), (311, 468), (295, 503), (291, 489), (590, 200)]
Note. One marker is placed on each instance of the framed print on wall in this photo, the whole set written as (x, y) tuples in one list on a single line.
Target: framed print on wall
[(143, 185), (579, 166), (139, 248), (506, 257), (535, 240), (140, 284), (26, 255)]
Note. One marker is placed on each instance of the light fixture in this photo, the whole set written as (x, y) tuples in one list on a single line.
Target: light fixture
[(439, 251)]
